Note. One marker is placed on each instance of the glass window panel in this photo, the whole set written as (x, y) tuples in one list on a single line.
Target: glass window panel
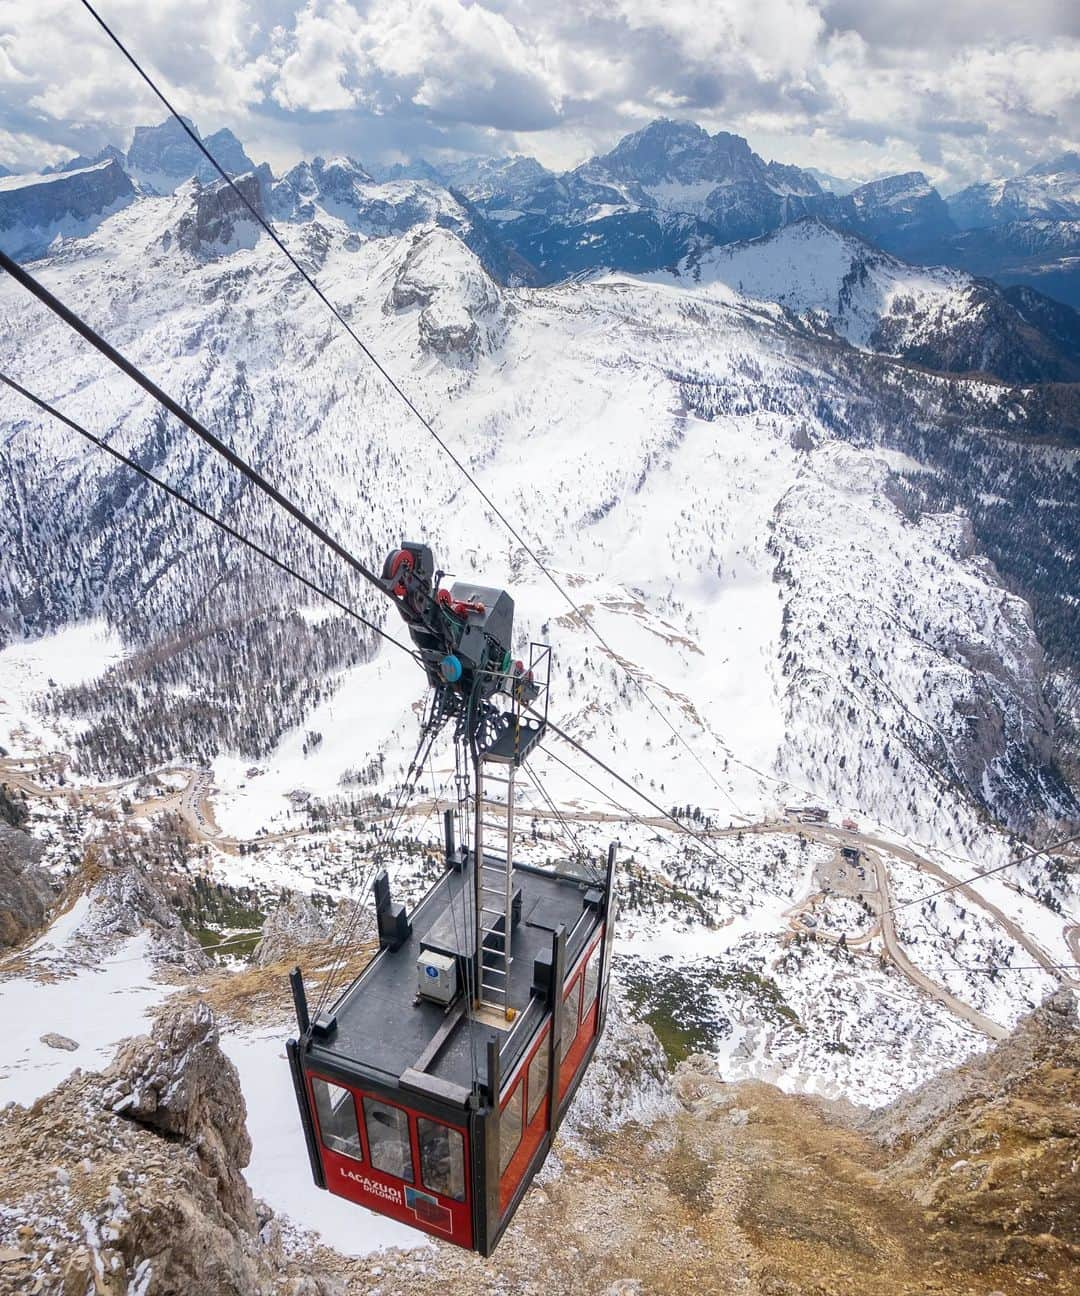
[(592, 981), (336, 1111), (571, 1011), (442, 1158), (538, 1077), (510, 1128), (388, 1138)]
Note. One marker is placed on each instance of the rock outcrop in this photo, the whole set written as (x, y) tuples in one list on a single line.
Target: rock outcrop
[(459, 302), (26, 892), (993, 1147), (294, 923), (628, 1080), (35, 209), (133, 898), (165, 155), (219, 221), (130, 1181)]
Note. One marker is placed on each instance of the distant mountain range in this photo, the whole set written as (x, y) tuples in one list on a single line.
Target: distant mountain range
[(665, 193), (934, 316)]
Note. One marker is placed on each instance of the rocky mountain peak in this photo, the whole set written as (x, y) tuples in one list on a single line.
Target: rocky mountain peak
[(219, 221), (164, 156), (907, 185), (901, 211), (675, 151), (109, 152), (35, 209), (459, 301), (340, 169)]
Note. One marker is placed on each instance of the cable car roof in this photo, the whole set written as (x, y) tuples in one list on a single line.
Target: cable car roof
[(385, 1029)]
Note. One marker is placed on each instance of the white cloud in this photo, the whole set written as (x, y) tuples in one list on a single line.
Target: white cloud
[(962, 90)]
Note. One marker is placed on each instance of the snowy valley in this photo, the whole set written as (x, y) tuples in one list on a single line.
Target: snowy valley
[(824, 505)]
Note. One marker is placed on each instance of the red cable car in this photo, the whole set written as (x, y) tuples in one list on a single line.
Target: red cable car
[(432, 1089)]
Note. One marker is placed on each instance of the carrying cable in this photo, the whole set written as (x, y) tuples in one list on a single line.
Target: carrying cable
[(203, 513), (666, 814), (1017, 967), (84, 330), (1000, 868), (606, 796), (396, 387)]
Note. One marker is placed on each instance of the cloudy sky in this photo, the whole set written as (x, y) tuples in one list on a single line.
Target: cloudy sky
[(962, 89)]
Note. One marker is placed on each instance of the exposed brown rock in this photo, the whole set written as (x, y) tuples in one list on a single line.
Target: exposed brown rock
[(25, 890), (295, 923), (130, 1181)]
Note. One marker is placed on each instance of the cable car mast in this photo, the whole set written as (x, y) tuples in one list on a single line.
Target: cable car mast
[(464, 636)]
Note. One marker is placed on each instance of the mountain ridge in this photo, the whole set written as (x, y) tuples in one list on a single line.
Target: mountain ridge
[(671, 187)]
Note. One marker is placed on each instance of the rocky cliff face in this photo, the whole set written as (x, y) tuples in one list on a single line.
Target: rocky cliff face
[(900, 212), (992, 1147), (219, 222), (296, 922), (25, 890), (459, 303), (164, 156), (131, 1180), (34, 210)]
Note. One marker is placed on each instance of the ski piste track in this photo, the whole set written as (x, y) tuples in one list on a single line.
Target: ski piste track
[(192, 802)]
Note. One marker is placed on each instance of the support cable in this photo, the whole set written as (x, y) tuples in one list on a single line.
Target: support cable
[(84, 330), (1000, 868), (666, 814), (396, 387), (606, 796), (203, 513), (576, 848)]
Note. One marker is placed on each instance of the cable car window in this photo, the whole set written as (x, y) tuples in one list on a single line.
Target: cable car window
[(572, 1008), (388, 1139), (442, 1159), (510, 1128), (592, 982), (337, 1118), (538, 1078)]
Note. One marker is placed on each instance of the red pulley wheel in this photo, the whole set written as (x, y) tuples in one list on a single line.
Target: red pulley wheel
[(402, 558)]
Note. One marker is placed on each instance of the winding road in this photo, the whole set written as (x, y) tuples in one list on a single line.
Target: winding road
[(192, 803)]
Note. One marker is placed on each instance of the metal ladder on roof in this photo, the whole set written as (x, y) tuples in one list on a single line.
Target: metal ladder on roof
[(500, 799)]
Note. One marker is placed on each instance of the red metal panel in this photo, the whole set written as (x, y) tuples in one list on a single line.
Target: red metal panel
[(574, 1055), (533, 1133), (386, 1194)]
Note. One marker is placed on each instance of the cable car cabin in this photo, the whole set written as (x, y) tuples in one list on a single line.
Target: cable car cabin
[(432, 1090), (436, 1114)]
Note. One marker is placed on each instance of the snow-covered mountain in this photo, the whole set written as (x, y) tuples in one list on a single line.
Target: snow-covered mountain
[(164, 156), (35, 209), (672, 186), (1041, 254), (1047, 191), (596, 412), (900, 212), (937, 317), (664, 193)]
